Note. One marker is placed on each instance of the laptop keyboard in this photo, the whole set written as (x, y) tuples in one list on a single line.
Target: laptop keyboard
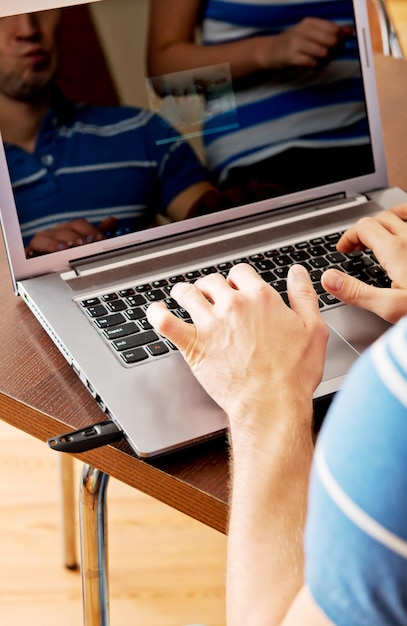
[(120, 316)]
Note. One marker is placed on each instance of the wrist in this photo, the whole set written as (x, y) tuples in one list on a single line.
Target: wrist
[(267, 420)]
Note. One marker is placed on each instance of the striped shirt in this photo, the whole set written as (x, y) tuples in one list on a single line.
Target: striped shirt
[(295, 108), (95, 162), (356, 536)]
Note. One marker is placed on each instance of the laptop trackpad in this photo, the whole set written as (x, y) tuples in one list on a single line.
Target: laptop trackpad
[(359, 328), (351, 331)]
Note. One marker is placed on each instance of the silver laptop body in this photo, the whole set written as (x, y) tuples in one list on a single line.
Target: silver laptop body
[(157, 403)]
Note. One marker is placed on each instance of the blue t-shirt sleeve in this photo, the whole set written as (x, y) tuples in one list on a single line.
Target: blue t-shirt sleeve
[(356, 534), (178, 166)]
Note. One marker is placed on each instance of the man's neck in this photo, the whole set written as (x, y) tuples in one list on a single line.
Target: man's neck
[(20, 122)]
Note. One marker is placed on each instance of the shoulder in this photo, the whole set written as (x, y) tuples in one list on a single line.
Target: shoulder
[(356, 534)]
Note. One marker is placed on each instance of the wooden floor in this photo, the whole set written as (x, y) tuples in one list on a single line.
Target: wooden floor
[(165, 569)]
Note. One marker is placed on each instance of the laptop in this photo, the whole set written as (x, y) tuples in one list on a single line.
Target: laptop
[(155, 401)]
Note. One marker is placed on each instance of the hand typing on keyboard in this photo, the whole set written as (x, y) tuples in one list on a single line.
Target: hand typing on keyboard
[(243, 335), (386, 235)]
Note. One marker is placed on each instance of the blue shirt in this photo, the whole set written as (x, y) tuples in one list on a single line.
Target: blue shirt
[(292, 108), (94, 162), (356, 536)]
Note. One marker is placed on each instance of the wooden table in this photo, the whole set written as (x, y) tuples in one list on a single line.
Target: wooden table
[(41, 395)]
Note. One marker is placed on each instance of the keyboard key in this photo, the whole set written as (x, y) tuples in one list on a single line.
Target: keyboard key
[(302, 245), (108, 297), (209, 270), (317, 251), (279, 285), (135, 314), (116, 306), (155, 295), (319, 262), (269, 277), (299, 256), (282, 259), (240, 260), (333, 237), (171, 303), (143, 288), (121, 331), (327, 298), (224, 266), (134, 356), (96, 311), (193, 275), (134, 341), (90, 302), (110, 320), (158, 348), (125, 293), (264, 265), (176, 279), (335, 257), (136, 300)]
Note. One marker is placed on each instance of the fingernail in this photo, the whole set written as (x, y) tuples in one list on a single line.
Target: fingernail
[(299, 271), (333, 280)]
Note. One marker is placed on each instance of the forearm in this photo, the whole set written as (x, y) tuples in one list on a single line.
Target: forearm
[(245, 57), (269, 494)]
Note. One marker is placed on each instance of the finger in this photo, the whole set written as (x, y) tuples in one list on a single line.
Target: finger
[(82, 228), (400, 210), (215, 288), (244, 277), (302, 295), (166, 323), (192, 299), (44, 242), (370, 232), (109, 225), (387, 303)]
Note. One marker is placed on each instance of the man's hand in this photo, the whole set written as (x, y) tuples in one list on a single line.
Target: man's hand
[(245, 344), (69, 235), (386, 235)]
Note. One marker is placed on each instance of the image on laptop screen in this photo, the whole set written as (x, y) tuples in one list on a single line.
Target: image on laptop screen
[(120, 141)]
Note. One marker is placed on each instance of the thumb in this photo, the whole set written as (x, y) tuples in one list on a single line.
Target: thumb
[(387, 303)]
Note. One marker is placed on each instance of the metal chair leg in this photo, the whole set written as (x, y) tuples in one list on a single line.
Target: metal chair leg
[(93, 534), (68, 506)]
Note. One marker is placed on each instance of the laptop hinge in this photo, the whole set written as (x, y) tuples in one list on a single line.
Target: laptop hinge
[(222, 240)]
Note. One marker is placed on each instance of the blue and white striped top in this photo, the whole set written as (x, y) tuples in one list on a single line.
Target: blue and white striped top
[(356, 537), (297, 107), (95, 162)]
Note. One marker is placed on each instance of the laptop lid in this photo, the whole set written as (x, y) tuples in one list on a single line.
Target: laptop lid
[(125, 65)]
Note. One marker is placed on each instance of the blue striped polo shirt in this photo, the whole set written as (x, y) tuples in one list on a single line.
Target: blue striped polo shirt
[(94, 162), (292, 108), (356, 536)]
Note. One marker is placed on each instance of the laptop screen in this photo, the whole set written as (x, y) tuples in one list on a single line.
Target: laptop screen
[(129, 148)]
